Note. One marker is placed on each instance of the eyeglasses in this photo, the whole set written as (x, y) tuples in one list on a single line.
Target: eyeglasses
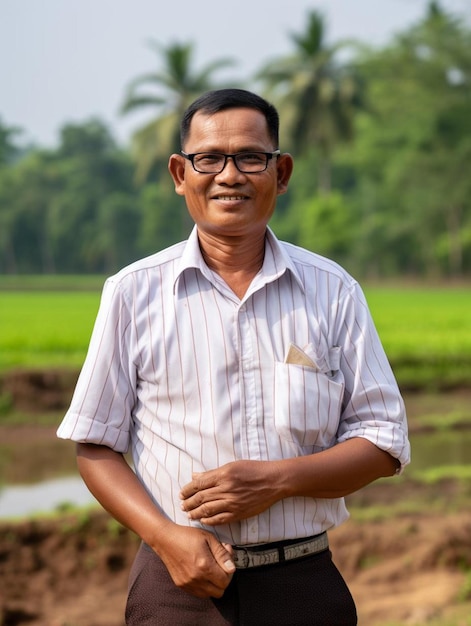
[(215, 162)]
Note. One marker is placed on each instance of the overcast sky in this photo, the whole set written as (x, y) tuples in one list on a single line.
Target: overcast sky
[(67, 60)]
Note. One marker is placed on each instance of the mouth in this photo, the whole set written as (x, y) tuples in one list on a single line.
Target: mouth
[(231, 198)]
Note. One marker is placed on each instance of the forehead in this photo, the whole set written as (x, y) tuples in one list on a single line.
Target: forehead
[(241, 127)]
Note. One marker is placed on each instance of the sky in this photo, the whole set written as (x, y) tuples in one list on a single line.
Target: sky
[(67, 61)]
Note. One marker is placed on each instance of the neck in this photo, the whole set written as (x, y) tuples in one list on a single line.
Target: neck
[(236, 259)]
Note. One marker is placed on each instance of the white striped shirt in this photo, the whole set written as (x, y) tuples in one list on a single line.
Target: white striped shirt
[(192, 377)]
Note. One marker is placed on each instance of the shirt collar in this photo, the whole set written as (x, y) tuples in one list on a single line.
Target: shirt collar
[(276, 261)]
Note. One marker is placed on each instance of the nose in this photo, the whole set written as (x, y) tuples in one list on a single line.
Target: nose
[(230, 171)]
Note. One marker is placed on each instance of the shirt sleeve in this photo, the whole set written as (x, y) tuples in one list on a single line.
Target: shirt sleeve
[(101, 407), (373, 406)]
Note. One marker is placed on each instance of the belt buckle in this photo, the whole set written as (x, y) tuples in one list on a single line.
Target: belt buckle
[(242, 559)]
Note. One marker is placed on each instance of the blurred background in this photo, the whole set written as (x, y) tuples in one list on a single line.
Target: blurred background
[(375, 105)]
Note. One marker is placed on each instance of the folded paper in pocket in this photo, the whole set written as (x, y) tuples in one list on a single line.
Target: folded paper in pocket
[(296, 356)]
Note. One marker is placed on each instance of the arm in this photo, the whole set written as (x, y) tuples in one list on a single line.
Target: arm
[(338, 471), (196, 560), (245, 488), (371, 422)]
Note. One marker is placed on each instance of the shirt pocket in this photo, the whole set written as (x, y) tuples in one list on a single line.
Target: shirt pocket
[(307, 405)]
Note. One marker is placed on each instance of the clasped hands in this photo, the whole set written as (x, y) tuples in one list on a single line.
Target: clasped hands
[(196, 560), (235, 491)]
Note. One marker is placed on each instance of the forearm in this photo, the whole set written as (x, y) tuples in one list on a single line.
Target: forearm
[(242, 489), (195, 559), (336, 472), (113, 483)]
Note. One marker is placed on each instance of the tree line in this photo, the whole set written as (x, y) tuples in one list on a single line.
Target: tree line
[(382, 147)]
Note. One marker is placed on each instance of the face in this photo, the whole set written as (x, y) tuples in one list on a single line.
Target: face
[(230, 203)]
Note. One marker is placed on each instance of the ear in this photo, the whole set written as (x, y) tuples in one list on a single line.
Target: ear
[(284, 167), (176, 167)]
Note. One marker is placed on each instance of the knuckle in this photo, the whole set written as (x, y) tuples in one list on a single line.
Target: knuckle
[(205, 510), (199, 498)]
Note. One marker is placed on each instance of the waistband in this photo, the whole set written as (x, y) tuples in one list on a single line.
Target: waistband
[(271, 553)]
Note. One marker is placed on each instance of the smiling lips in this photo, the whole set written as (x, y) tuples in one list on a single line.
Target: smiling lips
[(230, 198)]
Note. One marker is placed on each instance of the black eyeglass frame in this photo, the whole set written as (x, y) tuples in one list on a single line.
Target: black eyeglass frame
[(267, 155)]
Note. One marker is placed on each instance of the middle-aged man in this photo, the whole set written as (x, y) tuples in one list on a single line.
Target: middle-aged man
[(248, 379)]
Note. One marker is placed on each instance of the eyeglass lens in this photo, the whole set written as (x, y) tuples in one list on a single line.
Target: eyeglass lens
[(248, 162)]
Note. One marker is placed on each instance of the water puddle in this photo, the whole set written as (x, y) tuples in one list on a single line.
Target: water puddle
[(25, 500), (26, 457)]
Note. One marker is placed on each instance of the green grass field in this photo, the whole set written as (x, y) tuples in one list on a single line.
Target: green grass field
[(424, 321), (426, 333), (44, 328), (47, 321)]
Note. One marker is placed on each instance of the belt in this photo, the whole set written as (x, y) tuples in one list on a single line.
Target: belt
[(255, 556)]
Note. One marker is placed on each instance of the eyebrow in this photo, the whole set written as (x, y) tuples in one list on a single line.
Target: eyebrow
[(238, 151)]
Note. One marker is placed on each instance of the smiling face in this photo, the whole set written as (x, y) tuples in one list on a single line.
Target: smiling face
[(230, 203)]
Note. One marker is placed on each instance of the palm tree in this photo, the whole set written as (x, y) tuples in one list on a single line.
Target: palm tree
[(9, 150), (317, 96), (169, 91)]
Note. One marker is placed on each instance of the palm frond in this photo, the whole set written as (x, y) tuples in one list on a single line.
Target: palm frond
[(171, 89), (137, 102)]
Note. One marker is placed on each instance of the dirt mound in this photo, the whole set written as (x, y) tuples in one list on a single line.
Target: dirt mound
[(34, 390), (73, 570), (409, 569)]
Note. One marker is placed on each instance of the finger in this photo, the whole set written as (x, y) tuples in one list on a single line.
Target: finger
[(198, 483), (208, 588), (188, 490), (199, 502), (207, 510), (206, 503), (228, 548), (217, 520), (223, 557)]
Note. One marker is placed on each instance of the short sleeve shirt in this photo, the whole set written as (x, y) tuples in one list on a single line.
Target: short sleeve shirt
[(189, 377)]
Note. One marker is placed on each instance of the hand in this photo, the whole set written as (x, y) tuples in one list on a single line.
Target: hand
[(232, 492), (197, 561)]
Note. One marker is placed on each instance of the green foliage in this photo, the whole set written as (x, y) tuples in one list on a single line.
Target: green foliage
[(435, 475), (415, 147), (55, 205), (165, 219), (326, 226), (9, 150), (76, 520), (316, 95), (6, 403), (464, 593), (382, 139), (51, 282)]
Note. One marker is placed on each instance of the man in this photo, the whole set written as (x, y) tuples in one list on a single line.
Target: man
[(248, 379)]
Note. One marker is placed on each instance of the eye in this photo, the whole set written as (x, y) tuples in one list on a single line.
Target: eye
[(252, 158), (207, 158)]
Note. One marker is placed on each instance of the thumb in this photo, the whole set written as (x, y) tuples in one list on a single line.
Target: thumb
[(222, 553)]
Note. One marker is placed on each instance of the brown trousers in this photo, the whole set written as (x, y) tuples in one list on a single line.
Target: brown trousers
[(309, 590)]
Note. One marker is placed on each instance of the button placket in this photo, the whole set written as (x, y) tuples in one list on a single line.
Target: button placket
[(249, 427)]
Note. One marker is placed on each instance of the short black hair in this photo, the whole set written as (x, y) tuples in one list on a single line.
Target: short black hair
[(221, 99)]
